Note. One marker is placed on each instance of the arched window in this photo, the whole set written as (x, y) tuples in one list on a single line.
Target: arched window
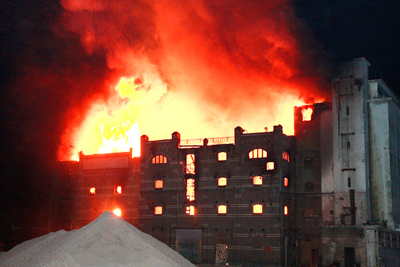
[(286, 210), (159, 159), (222, 181), (257, 153)]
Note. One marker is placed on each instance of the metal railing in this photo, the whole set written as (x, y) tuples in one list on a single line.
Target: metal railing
[(211, 141)]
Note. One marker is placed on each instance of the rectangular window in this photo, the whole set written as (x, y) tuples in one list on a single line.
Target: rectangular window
[(349, 182), (257, 180), (222, 156), (257, 209), (270, 166), (286, 210), (347, 110), (190, 165), (222, 181), (158, 184), (222, 209), (118, 190), (190, 183), (190, 210), (158, 210)]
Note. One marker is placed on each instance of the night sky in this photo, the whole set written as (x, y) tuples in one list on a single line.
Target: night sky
[(45, 71)]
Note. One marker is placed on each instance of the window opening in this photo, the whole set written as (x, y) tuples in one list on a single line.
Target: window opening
[(349, 182), (190, 166), (286, 210), (222, 156), (158, 210), (92, 190), (117, 212), (190, 194), (270, 166), (118, 190), (158, 184), (257, 180), (285, 182), (190, 210), (257, 209), (257, 153), (222, 181), (347, 110), (159, 159), (222, 209), (306, 113), (285, 156)]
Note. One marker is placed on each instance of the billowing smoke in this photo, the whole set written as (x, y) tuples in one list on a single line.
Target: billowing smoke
[(197, 67)]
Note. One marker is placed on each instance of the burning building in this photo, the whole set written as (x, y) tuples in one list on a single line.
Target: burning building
[(327, 195)]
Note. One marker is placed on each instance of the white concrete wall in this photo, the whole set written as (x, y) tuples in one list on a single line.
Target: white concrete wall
[(350, 125), (381, 199)]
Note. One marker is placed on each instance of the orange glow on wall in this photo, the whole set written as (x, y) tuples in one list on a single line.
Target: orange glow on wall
[(257, 209), (92, 190), (306, 113), (117, 212)]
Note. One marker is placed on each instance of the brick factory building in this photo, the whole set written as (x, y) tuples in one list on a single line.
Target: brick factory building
[(327, 196)]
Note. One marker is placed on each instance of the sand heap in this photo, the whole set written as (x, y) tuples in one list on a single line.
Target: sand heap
[(107, 241)]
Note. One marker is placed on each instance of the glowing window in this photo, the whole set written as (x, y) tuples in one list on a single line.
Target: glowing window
[(307, 112), (190, 210), (190, 189), (158, 210), (118, 190), (158, 184), (92, 190), (270, 166), (257, 180), (190, 166), (117, 212), (257, 153), (222, 156), (286, 210), (285, 182), (257, 209), (159, 159), (222, 181), (222, 209), (285, 156)]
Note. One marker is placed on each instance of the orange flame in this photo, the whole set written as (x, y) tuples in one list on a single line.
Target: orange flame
[(307, 112)]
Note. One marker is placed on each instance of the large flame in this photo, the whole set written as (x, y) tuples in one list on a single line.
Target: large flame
[(197, 67)]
